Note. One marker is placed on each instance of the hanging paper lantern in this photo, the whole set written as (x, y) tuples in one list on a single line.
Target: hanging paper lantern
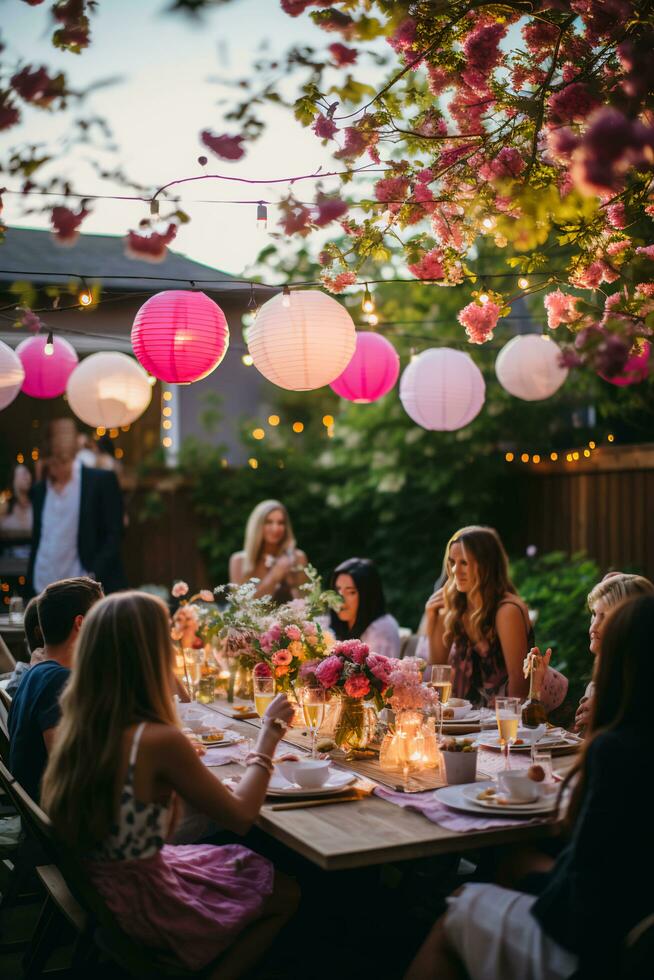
[(108, 389), (304, 345), (442, 389), (46, 374), (528, 367), (635, 370), (12, 375), (371, 373), (180, 336)]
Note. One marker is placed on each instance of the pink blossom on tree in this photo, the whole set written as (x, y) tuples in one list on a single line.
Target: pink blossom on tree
[(561, 308), (37, 87), (572, 104), (152, 247), (226, 147), (329, 209), (65, 224), (342, 55), (479, 321), (9, 114), (593, 275), (324, 127), (647, 250), (507, 164), (430, 266), (339, 282)]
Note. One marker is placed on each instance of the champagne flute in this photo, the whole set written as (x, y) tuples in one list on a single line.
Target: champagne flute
[(507, 713), (439, 677), (312, 700), (264, 692)]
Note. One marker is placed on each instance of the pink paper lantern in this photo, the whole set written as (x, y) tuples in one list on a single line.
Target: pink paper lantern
[(635, 370), (371, 373), (46, 375), (180, 336)]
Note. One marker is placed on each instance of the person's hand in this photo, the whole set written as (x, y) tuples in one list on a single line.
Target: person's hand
[(283, 566), (435, 603), (542, 664), (582, 716), (279, 715)]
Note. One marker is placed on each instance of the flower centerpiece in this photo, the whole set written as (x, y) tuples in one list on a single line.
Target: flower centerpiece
[(359, 678), (187, 631)]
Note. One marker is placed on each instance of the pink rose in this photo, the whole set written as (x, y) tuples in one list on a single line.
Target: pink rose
[(381, 667), (357, 686), (352, 649), (293, 632), (282, 658), (275, 632), (206, 595), (329, 671), (309, 628), (179, 589)]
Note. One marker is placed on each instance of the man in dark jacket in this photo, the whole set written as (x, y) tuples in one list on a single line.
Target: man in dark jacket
[(78, 523)]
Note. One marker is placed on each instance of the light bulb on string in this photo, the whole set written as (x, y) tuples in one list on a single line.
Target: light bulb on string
[(368, 305), (48, 350), (262, 216), (373, 319), (488, 222), (85, 296), (523, 282), (286, 297), (484, 298)]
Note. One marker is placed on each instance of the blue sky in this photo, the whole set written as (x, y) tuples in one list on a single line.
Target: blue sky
[(166, 96)]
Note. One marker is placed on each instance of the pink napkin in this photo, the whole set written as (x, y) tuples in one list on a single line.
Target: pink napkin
[(490, 763), (221, 756), (431, 808)]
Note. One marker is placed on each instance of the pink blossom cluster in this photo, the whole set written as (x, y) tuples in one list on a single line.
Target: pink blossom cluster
[(593, 275), (408, 690), (151, 247), (481, 46), (561, 308), (328, 671), (65, 224), (270, 637), (507, 164), (36, 86), (342, 55), (339, 282), (9, 114), (479, 321), (540, 36), (324, 127), (224, 146), (354, 669), (391, 189), (430, 266), (328, 209), (296, 219), (447, 222), (403, 39), (647, 250), (615, 214), (353, 650), (572, 104), (611, 145)]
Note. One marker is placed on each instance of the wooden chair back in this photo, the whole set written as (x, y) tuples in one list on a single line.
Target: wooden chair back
[(7, 659), (5, 704), (137, 960)]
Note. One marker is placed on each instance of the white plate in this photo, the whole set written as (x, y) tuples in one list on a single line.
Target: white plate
[(336, 783), (454, 797), (470, 792), (487, 741), (230, 739)]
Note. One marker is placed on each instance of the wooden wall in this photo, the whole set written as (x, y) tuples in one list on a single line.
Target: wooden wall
[(603, 506)]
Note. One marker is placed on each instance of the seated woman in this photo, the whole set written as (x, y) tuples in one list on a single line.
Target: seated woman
[(613, 588), (479, 624), (119, 763), (363, 614), (600, 887), (270, 554)]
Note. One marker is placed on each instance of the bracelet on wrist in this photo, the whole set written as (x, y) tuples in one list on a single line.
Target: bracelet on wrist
[(260, 759)]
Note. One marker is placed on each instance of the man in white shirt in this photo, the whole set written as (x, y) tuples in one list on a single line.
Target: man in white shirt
[(78, 521)]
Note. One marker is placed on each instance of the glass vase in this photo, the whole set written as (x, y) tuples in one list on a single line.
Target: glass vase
[(243, 687), (354, 724)]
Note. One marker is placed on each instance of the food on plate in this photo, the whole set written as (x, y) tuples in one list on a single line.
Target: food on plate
[(487, 794), (519, 741), (213, 735), (465, 745), (537, 773), (242, 709), (448, 713), (325, 745)]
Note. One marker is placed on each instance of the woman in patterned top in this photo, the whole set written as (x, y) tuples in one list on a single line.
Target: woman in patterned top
[(120, 764)]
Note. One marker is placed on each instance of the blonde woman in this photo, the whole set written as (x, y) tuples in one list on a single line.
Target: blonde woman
[(119, 763), (614, 588), (477, 622), (270, 554)]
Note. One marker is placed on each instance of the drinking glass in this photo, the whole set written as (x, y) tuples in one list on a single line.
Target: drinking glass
[(264, 692), (312, 700), (507, 713), (16, 610), (439, 677), (207, 689), (193, 660)]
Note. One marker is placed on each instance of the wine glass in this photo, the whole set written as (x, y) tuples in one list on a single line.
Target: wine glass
[(264, 692), (312, 700), (507, 713), (439, 677)]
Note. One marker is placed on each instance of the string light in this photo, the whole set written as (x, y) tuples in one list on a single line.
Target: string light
[(571, 456), (48, 350), (368, 305), (167, 442), (262, 216), (373, 319), (248, 360), (509, 457), (484, 298), (591, 444), (20, 458), (298, 427), (113, 433), (167, 412), (586, 453), (119, 453), (35, 454), (327, 420), (167, 395), (523, 282), (273, 420), (554, 457), (254, 463), (610, 437), (258, 434), (524, 458), (286, 297), (100, 431), (85, 296), (535, 458), (167, 424), (488, 222)]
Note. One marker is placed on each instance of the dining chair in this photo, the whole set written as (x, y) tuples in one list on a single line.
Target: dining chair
[(72, 897), (7, 659)]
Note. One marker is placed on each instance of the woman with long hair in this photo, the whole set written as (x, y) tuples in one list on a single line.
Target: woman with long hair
[(270, 554), (111, 786), (600, 888), (477, 622), (362, 615)]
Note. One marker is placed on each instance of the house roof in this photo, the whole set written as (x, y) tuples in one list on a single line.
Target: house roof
[(32, 254)]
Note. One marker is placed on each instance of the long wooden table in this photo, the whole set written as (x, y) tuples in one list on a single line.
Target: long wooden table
[(370, 831)]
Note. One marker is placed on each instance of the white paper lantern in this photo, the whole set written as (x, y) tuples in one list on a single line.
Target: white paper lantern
[(442, 389), (304, 345), (528, 367), (108, 389), (12, 375)]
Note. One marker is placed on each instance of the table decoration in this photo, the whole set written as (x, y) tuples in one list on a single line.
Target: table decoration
[(438, 812), (410, 744)]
